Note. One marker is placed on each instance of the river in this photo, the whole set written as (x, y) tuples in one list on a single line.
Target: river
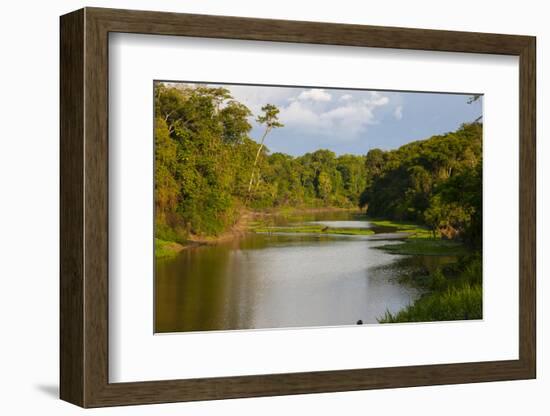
[(284, 280)]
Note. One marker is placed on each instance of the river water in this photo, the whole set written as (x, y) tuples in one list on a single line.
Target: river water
[(283, 280)]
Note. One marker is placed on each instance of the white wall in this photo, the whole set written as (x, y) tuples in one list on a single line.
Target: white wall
[(29, 209)]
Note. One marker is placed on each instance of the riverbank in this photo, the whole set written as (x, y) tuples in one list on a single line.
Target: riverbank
[(254, 221), (168, 249), (314, 229), (453, 292), (416, 239), (164, 249), (419, 241)]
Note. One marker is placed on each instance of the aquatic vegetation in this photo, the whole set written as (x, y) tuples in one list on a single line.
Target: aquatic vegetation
[(315, 229), (426, 247), (415, 230)]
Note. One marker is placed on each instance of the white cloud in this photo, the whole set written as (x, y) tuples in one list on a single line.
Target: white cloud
[(256, 97), (376, 99), (298, 114), (314, 111), (398, 112), (314, 95), (345, 119)]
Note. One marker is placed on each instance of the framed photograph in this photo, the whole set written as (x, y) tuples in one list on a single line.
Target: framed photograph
[(255, 207)]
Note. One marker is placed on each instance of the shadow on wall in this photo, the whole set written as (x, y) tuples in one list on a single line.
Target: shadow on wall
[(51, 390)]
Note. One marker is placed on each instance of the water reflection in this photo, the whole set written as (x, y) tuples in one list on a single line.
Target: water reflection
[(343, 224), (282, 280)]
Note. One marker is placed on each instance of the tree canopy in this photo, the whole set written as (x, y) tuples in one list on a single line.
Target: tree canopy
[(205, 157), (435, 181), (208, 168)]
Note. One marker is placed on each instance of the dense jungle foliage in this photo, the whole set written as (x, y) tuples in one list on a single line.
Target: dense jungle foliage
[(208, 169), (437, 182), (205, 170)]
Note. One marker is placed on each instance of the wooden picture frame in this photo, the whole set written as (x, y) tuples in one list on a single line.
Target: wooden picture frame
[(84, 207)]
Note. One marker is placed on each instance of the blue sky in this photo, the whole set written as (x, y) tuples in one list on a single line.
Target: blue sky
[(353, 121)]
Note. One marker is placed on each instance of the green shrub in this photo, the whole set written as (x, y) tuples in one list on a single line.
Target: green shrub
[(454, 304), (453, 293)]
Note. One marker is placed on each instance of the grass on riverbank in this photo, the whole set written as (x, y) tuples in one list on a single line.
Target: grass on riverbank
[(166, 249), (420, 241), (455, 304), (454, 292), (169, 243), (314, 229), (437, 247), (415, 230)]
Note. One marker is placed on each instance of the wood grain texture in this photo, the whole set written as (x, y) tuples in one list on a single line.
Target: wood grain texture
[(527, 207), (84, 204), (96, 220), (225, 27), (71, 100)]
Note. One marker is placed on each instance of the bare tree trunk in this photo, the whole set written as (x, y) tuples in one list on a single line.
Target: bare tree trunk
[(256, 159)]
